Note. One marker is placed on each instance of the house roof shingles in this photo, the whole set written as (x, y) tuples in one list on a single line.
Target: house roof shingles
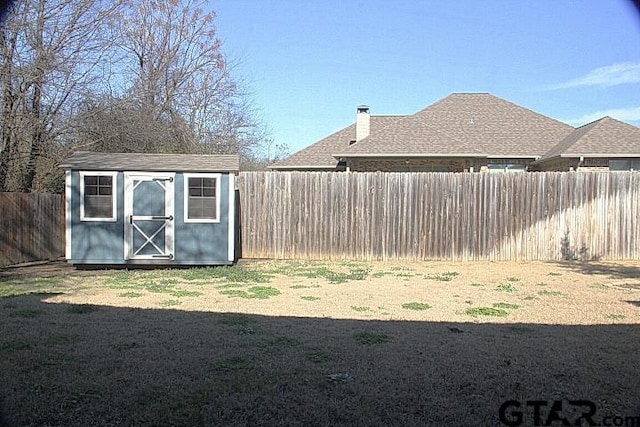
[(152, 162), (471, 125), (319, 155), (606, 137), (467, 123)]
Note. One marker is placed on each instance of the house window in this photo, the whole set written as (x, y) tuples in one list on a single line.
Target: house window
[(98, 196), (506, 167), (624, 165), (202, 198)]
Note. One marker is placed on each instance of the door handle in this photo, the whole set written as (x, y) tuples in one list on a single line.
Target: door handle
[(130, 219)]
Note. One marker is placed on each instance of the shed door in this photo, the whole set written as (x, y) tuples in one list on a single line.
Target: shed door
[(149, 216)]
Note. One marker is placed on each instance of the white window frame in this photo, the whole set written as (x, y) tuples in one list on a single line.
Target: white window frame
[(218, 178), (114, 195)]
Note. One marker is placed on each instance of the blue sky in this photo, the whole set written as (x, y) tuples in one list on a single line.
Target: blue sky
[(308, 64)]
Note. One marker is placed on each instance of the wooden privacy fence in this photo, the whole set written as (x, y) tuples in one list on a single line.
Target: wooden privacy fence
[(416, 216), (31, 227)]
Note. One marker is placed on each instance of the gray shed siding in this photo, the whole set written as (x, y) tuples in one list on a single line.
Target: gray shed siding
[(96, 242), (102, 242), (201, 242)]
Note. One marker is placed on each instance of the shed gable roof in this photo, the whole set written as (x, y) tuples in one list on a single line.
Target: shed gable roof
[(152, 162)]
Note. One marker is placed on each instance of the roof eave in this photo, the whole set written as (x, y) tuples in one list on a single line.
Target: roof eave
[(601, 155), (275, 167), (510, 156), (397, 155)]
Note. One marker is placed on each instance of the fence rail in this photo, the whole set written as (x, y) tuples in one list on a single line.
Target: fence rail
[(417, 216), (31, 227)]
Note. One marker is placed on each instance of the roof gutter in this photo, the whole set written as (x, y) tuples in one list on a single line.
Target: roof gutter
[(295, 167), (403, 155)]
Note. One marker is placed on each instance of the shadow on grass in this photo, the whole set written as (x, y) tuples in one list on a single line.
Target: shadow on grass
[(103, 365), (610, 270)]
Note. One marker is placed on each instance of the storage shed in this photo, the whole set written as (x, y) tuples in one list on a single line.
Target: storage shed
[(128, 208)]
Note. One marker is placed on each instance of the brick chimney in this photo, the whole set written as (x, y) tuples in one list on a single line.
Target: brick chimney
[(363, 120)]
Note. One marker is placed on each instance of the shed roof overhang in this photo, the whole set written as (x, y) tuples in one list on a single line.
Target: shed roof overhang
[(83, 160)]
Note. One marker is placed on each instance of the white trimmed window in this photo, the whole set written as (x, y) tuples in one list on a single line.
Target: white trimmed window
[(202, 197), (98, 196)]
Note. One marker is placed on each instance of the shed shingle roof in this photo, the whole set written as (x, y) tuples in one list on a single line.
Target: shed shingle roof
[(606, 137), (152, 162)]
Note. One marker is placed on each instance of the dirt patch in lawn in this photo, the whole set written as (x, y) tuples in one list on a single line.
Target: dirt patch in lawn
[(314, 343)]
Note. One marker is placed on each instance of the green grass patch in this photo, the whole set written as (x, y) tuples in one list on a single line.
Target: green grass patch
[(258, 292), (27, 313), (18, 287), (170, 302), (486, 311), (477, 285), (180, 293), (318, 355), (234, 274), (233, 364), (82, 308), (360, 308), (236, 319), (379, 274), (506, 306), (548, 293), (309, 298), (447, 276), (615, 316), (416, 306), (405, 275), (369, 337), (300, 286), (231, 285), (506, 287), (315, 271), (158, 288), (284, 341), (235, 293), (16, 345), (130, 294)]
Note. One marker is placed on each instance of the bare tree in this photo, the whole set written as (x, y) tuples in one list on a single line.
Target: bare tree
[(114, 75), (51, 54), (181, 76)]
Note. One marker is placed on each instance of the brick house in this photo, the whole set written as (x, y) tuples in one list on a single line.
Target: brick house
[(470, 132)]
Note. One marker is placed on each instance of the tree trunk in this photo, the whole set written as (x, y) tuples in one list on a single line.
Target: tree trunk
[(37, 135), (8, 40)]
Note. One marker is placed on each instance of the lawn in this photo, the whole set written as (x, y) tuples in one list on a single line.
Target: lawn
[(317, 343)]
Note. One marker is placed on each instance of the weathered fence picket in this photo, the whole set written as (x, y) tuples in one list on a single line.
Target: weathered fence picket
[(31, 227), (415, 216)]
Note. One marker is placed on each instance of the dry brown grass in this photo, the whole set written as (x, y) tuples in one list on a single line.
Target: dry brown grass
[(161, 348)]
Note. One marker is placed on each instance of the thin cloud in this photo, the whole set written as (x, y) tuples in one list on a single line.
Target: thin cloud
[(611, 75), (629, 115)]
